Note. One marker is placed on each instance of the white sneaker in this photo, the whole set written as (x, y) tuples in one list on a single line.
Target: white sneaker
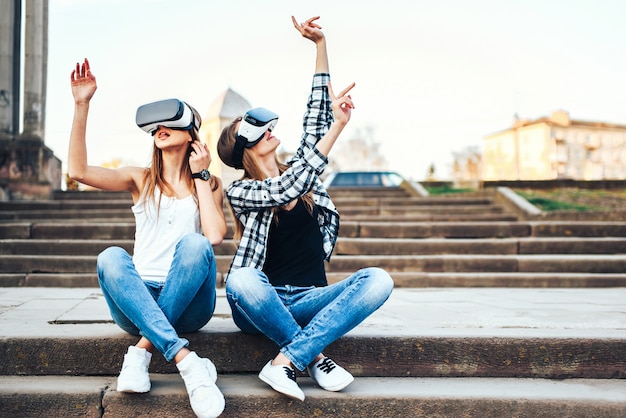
[(200, 375), (329, 375), (134, 376), (282, 379)]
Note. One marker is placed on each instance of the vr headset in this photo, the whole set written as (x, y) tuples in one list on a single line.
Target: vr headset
[(254, 123), (171, 113)]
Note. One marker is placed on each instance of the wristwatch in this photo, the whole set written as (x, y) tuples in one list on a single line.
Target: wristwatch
[(203, 174)]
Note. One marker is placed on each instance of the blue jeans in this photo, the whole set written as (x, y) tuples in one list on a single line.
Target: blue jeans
[(303, 321), (159, 311)]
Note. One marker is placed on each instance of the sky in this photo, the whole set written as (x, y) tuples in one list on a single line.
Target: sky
[(432, 77)]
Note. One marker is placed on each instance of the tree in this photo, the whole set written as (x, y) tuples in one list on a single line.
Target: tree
[(430, 174), (359, 153)]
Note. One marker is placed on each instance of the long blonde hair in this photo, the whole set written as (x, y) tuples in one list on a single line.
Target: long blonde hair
[(154, 176), (251, 169)]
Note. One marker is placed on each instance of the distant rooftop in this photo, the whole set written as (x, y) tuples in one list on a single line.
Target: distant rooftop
[(562, 118), (228, 104)]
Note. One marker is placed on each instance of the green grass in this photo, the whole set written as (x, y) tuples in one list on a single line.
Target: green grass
[(558, 199), (550, 205), (446, 190)]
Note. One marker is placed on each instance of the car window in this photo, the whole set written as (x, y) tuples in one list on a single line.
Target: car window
[(391, 179), (364, 179)]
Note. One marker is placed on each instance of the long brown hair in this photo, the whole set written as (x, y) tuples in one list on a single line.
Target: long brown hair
[(251, 169), (154, 176)]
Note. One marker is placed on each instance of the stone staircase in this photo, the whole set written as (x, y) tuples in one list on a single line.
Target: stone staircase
[(423, 242), (442, 346)]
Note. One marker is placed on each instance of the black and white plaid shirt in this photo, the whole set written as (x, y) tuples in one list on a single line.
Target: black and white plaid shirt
[(253, 200)]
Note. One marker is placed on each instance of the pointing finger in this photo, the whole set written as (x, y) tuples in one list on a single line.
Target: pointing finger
[(347, 89)]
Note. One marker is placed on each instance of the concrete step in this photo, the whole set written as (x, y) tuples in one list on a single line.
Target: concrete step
[(409, 246), (387, 192), (375, 192), (110, 212), (69, 205), (115, 202), (375, 397), (483, 229), (66, 214), (357, 200), (413, 210), (76, 247), (583, 263), (431, 217), (103, 201), (88, 229), (125, 215), (356, 246), (401, 279), (89, 195), (529, 333), (75, 352)]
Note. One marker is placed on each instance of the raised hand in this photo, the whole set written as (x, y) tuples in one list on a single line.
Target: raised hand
[(199, 158), (341, 104), (309, 29), (83, 82)]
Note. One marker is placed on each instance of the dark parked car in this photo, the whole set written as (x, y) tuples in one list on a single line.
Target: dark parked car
[(363, 179)]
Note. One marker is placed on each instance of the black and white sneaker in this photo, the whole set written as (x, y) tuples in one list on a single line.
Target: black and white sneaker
[(329, 375), (282, 379)]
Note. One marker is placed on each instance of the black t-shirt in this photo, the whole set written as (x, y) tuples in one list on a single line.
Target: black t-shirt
[(295, 253)]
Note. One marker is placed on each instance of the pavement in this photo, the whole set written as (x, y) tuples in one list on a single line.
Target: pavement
[(506, 312), (579, 314)]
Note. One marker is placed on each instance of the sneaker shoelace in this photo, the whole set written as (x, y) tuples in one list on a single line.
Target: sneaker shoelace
[(327, 365), (291, 373)]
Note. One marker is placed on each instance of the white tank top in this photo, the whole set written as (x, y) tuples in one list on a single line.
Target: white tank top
[(156, 237)]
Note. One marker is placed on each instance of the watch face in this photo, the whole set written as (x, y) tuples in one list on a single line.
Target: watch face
[(204, 175)]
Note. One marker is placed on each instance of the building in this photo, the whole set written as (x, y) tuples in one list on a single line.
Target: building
[(226, 107), (556, 147)]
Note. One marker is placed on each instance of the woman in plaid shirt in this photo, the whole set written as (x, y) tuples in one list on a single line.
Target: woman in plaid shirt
[(287, 226)]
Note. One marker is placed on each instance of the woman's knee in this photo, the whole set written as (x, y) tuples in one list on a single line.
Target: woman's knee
[(109, 261), (194, 250), (242, 290), (109, 255), (243, 280), (195, 244), (380, 281)]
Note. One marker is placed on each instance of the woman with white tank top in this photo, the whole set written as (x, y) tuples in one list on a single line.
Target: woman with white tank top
[(167, 286)]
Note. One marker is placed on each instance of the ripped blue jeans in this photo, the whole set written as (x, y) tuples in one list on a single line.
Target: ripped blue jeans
[(302, 321), (158, 311)]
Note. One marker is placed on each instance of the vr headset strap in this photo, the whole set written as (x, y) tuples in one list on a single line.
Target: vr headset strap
[(238, 151)]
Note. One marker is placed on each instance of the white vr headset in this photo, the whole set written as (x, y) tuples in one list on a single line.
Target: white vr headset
[(171, 113), (254, 123)]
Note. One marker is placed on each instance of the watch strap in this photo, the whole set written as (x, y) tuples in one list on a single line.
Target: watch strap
[(203, 174)]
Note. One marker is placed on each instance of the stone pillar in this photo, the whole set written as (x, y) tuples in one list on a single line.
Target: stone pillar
[(35, 68), (10, 28), (28, 169)]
